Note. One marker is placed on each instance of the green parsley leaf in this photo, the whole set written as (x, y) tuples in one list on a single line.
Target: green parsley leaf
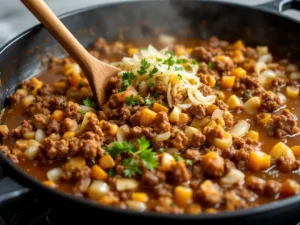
[(161, 149), (144, 144), (188, 67), (184, 60), (82, 112), (178, 68), (151, 84), (132, 100), (153, 71), (155, 95), (246, 94), (194, 61), (158, 59), (127, 78), (217, 87), (144, 66), (169, 61), (147, 156), (211, 65), (179, 77), (111, 172), (119, 148), (148, 101), (88, 102), (131, 167), (179, 61), (189, 162), (177, 157), (81, 84)]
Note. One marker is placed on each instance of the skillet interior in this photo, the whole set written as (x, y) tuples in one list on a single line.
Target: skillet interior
[(23, 57)]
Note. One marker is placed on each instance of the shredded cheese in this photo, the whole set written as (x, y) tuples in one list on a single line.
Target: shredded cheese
[(177, 73)]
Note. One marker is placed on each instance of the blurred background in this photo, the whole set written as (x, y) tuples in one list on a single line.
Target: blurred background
[(15, 18)]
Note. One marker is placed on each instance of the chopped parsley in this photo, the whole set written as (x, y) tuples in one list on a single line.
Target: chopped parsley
[(155, 95), (188, 67), (81, 84), (111, 172), (82, 112), (127, 78), (177, 157), (189, 162), (148, 101), (158, 59), (161, 149), (144, 66), (246, 94), (151, 84), (135, 154), (217, 87), (132, 100), (88, 102), (194, 61), (179, 77), (169, 61), (211, 65), (153, 71), (178, 68)]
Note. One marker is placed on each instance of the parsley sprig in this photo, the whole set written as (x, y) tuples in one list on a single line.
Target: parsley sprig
[(88, 102), (153, 71), (133, 100), (143, 153), (127, 78), (144, 66)]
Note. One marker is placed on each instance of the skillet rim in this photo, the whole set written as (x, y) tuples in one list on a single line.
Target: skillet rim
[(35, 184)]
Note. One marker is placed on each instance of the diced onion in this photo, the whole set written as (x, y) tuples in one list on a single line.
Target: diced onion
[(260, 66), (252, 105), (240, 129), (39, 135), (136, 205), (163, 137), (121, 135), (85, 109), (262, 50), (266, 58), (126, 184), (295, 76), (234, 176), (282, 97), (143, 88), (292, 68), (32, 149), (54, 174), (166, 40), (169, 96), (97, 189), (218, 113), (174, 116), (189, 131)]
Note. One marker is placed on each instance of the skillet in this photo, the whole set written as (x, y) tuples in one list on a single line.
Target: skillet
[(24, 56)]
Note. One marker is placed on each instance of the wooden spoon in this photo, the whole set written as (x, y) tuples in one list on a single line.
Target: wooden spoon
[(97, 72)]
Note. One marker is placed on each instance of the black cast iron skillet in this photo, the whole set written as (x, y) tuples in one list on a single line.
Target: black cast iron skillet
[(22, 57)]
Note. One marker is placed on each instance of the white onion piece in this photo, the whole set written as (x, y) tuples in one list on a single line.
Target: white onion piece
[(163, 137), (169, 97), (292, 68), (189, 131), (185, 106), (136, 205), (282, 97), (54, 174), (143, 88), (295, 76), (262, 50), (126, 184), (266, 58), (174, 116), (166, 40), (260, 66), (218, 113), (39, 135), (97, 189), (85, 109), (240, 129), (32, 149), (268, 74), (234, 176), (121, 137)]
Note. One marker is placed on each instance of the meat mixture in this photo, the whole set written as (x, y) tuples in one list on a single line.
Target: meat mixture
[(197, 127)]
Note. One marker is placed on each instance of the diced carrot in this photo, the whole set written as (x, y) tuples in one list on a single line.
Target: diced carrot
[(107, 162), (167, 160), (259, 161), (289, 188), (50, 183), (183, 118), (183, 195), (57, 115), (147, 117), (74, 79), (98, 173), (140, 196), (159, 108)]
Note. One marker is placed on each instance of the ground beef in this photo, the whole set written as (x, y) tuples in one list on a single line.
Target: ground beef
[(224, 65), (221, 104), (72, 111), (45, 90), (151, 178), (178, 139), (283, 125), (205, 54), (136, 131), (69, 125), (38, 108), (205, 90), (55, 149), (40, 121), (53, 127), (197, 140), (209, 193), (18, 95), (285, 164), (163, 189), (277, 82), (213, 132), (233, 201), (81, 187), (101, 46), (246, 82), (192, 154), (250, 53), (93, 126), (213, 165), (256, 184), (272, 188), (161, 123), (197, 111), (161, 88), (135, 119), (26, 127), (90, 149), (6, 151), (179, 173), (166, 205), (270, 102), (4, 131)]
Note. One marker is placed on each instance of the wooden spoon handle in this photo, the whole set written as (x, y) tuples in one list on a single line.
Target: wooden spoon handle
[(46, 16)]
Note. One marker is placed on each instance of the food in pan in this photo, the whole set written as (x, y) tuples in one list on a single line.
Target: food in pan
[(197, 127)]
